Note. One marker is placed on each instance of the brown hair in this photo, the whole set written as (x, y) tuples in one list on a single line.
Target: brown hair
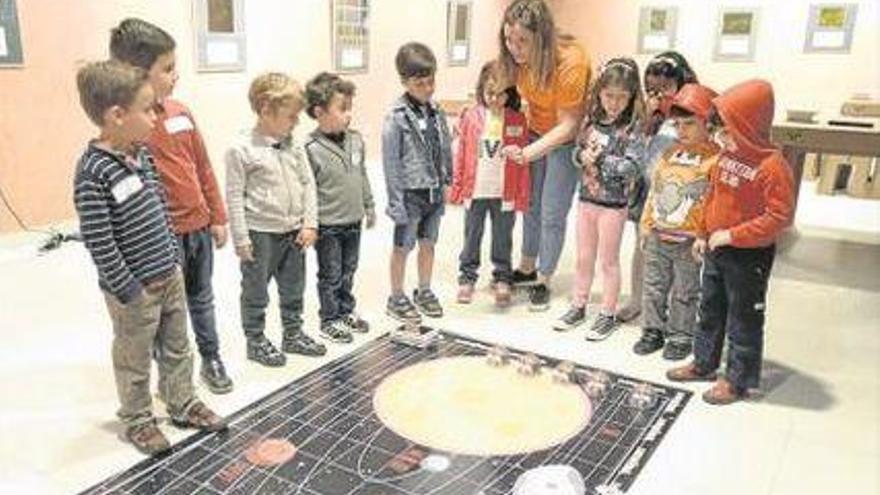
[(274, 89), (321, 88), (103, 85), (534, 16), (622, 72), (415, 59), (139, 43), (491, 72)]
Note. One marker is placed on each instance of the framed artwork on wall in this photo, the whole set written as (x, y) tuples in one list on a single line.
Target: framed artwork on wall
[(736, 35), (657, 29), (351, 34), (458, 32), (830, 28), (10, 35), (221, 41)]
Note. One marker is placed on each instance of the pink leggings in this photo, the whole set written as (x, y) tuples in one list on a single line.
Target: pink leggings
[(599, 230)]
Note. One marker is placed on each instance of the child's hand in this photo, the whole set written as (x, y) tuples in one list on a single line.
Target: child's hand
[(220, 235), (370, 218), (245, 253), (698, 249), (718, 239), (306, 237), (514, 153)]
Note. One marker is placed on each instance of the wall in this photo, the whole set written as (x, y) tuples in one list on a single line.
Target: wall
[(820, 82), (43, 128)]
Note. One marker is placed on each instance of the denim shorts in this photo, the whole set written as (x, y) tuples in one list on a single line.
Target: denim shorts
[(423, 218)]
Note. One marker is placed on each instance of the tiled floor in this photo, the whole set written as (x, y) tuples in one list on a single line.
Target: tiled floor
[(815, 429)]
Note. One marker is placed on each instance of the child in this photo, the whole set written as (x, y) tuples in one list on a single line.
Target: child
[(665, 74), (197, 213), (273, 211), (609, 146), (488, 183), (669, 225), (336, 154), (750, 201), (126, 229), (417, 159)]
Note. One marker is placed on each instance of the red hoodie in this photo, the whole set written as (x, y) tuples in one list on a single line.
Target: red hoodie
[(752, 189)]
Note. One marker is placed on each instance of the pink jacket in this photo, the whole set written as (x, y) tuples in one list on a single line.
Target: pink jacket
[(516, 177)]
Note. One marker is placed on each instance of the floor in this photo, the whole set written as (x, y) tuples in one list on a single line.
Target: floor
[(813, 428)]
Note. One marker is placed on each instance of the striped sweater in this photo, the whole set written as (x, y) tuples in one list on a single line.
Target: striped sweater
[(124, 220)]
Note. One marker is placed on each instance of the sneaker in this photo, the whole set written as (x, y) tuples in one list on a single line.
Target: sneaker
[(299, 343), (572, 319), (676, 351), (604, 326), (198, 416), (503, 295), (336, 331), (427, 303), (539, 298), (628, 313), (213, 375), (724, 393), (522, 278), (465, 294), (356, 323), (264, 352), (147, 438), (651, 341), (690, 373), (402, 309)]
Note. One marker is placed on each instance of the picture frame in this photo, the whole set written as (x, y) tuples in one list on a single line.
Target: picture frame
[(11, 52), (830, 28), (736, 34), (459, 15), (658, 28), (350, 33), (221, 40)]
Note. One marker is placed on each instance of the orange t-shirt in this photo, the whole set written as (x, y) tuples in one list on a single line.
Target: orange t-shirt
[(566, 91)]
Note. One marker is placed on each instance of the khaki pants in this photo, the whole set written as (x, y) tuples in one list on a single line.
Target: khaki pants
[(153, 318)]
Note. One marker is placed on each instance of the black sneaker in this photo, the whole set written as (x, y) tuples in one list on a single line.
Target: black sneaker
[(402, 309), (427, 303), (264, 352), (522, 278), (213, 375), (539, 298), (572, 319), (650, 341), (676, 351), (604, 326), (336, 331), (356, 323), (300, 343)]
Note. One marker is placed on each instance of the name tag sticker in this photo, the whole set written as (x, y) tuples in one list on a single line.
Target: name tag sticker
[(423, 124), (125, 188), (515, 131), (179, 123)]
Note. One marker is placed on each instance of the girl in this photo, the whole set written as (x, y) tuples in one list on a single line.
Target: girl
[(664, 77), (488, 183), (609, 147)]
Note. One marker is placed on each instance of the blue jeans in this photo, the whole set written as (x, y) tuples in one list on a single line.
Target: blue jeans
[(554, 182), (197, 262), (338, 249), (502, 241)]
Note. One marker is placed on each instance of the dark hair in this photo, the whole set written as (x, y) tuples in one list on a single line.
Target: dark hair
[(103, 85), (671, 65), (139, 43), (622, 72), (415, 59), (678, 112), (321, 88), (714, 121), (491, 71)]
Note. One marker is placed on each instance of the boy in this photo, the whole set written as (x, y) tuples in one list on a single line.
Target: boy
[(197, 213), (417, 159), (273, 211), (750, 201), (336, 154), (126, 229), (673, 212)]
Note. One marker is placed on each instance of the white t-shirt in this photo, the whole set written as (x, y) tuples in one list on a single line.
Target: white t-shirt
[(490, 165)]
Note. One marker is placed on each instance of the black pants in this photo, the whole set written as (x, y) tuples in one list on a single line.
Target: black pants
[(732, 303), (197, 262), (502, 241), (338, 249)]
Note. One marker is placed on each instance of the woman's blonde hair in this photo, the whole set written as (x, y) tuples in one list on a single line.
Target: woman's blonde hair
[(535, 17), (273, 90)]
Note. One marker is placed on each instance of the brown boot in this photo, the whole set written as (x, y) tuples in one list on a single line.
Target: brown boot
[(689, 373), (147, 438), (200, 417), (723, 393)]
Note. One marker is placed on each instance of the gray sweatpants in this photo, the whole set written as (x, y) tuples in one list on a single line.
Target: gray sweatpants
[(670, 266)]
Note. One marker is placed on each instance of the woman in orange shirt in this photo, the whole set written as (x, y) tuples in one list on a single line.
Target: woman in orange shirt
[(552, 72)]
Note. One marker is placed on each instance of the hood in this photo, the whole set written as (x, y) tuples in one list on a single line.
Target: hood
[(747, 111)]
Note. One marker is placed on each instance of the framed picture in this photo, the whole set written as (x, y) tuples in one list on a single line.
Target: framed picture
[(220, 36), (351, 34), (830, 28), (736, 35), (10, 35), (458, 33), (657, 29)]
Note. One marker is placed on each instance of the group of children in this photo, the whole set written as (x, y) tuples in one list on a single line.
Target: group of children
[(151, 213)]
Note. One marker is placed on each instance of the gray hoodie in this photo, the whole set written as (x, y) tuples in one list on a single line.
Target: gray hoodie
[(344, 193)]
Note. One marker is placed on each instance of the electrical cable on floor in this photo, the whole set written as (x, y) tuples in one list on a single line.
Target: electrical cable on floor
[(55, 238)]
